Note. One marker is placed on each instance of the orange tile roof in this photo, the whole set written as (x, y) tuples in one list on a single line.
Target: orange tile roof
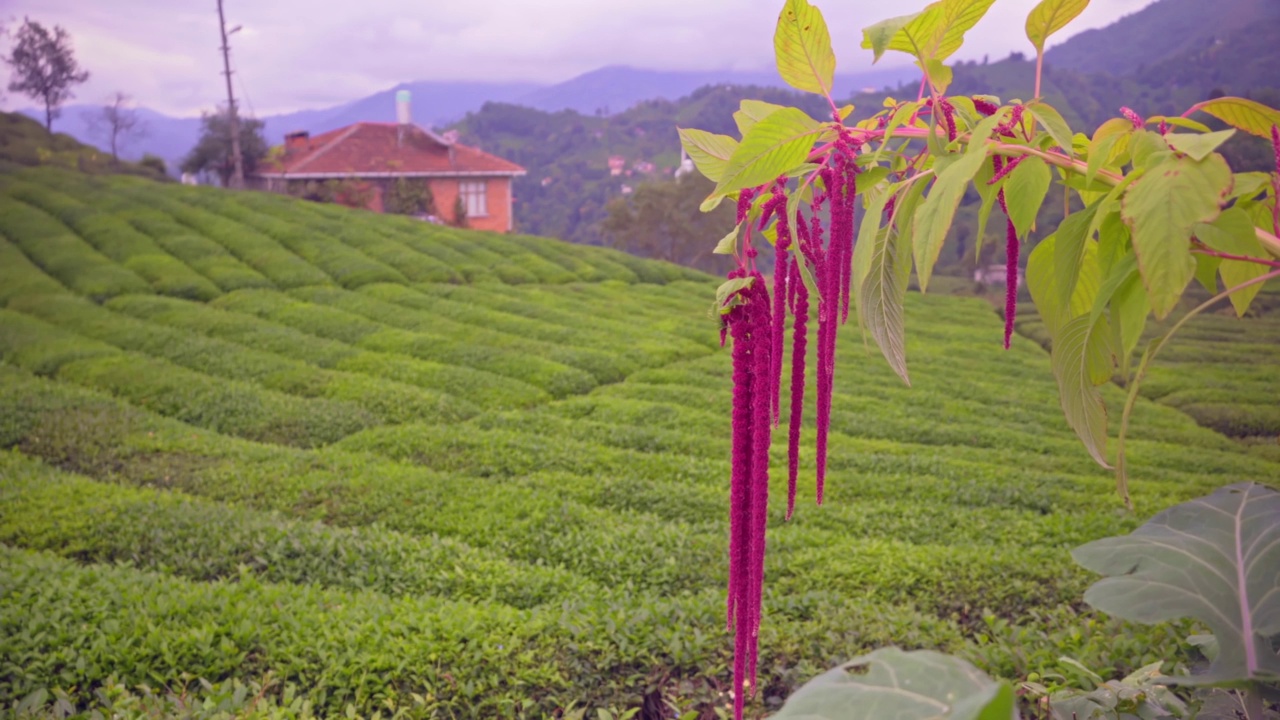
[(384, 149)]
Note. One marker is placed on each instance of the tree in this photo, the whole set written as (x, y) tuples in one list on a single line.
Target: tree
[(116, 122), (44, 67), (213, 152), (661, 220), (409, 196), (459, 213)]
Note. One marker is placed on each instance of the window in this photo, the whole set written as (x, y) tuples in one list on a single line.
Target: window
[(473, 197)]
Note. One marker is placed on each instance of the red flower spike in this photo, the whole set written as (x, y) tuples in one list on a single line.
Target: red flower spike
[(1010, 279), (798, 349), (1002, 172), (986, 108), (1132, 117), (1275, 182), (948, 117)]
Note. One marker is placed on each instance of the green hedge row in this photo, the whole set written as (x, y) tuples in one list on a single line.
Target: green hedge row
[(604, 366), (54, 248), (118, 240), (232, 407), (200, 253), (389, 401), (283, 268), (92, 521), (555, 378), (19, 277), (350, 268)]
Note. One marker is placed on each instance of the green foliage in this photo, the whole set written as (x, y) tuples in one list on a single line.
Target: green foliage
[(407, 196), (212, 153), (43, 67)]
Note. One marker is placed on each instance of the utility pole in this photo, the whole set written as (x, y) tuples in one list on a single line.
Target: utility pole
[(237, 177)]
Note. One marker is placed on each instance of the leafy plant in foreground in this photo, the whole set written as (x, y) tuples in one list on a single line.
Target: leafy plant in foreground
[(1160, 207)]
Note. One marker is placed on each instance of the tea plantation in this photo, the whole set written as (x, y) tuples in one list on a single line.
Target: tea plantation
[(265, 456)]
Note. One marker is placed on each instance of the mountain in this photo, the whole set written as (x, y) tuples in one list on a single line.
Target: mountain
[(616, 88), (1160, 31)]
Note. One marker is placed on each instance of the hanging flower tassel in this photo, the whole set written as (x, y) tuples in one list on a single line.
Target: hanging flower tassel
[(798, 348), (1011, 249)]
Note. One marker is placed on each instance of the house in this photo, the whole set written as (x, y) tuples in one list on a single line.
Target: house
[(616, 164), (995, 275), (367, 158)]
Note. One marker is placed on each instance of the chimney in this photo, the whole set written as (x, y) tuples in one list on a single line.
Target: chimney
[(402, 107), (296, 141)]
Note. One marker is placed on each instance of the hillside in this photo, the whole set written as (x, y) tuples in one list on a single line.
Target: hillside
[(370, 464)]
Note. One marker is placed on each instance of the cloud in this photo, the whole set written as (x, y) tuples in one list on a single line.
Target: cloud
[(297, 54)]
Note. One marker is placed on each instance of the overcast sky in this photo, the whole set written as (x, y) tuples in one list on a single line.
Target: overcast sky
[(299, 54)]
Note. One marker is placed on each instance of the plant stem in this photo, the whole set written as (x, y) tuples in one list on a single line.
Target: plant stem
[(1039, 70), (1242, 258), (1252, 700)]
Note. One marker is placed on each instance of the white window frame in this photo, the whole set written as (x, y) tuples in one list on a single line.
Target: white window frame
[(474, 194)]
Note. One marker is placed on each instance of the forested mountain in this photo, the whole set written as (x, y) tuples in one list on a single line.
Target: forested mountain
[(1161, 60)]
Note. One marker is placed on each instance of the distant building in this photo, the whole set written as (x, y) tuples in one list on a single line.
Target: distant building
[(686, 164), (644, 167), (374, 155), (616, 164), (995, 275)]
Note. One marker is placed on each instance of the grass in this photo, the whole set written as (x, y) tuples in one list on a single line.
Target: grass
[(331, 462)]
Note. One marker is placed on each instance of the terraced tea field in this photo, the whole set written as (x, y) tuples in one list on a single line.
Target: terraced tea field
[(333, 463)]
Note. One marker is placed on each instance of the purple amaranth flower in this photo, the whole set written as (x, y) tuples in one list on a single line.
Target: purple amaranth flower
[(986, 108), (745, 196), (1003, 172), (1275, 182), (798, 349), (949, 116), (1164, 127), (1010, 279), (1014, 122), (1132, 117), (762, 427), (780, 277)]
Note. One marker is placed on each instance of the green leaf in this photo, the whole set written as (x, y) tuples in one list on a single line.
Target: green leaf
[(1248, 185), (989, 194), (1147, 148), (1233, 233), (870, 228), (1247, 115), (1207, 272), (1110, 142), (1212, 559), (1049, 17), (868, 179), (1053, 123), (1176, 121), (933, 218), (876, 38), (938, 31), (897, 685), (729, 288), (1080, 341), (1024, 192), (751, 112), (940, 76), (1198, 146), (728, 244), (802, 46), (1129, 310), (773, 146), (1161, 210), (882, 294), (709, 152), (1056, 307), (1069, 250)]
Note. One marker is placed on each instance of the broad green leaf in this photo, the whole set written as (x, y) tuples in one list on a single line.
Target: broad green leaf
[(989, 194), (1176, 121), (1161, 210), (1110, 142), (1232, 233), (1212, 559), (729, 288), (938, 31), (1078, 342), (802, 47), (1198, 146), (728, 244), (1147, 148), (773, 146), (1056, 307), (940, 76), (881, 295), (711, 203), (1049, 17), (868, 179), (876, 37), (1113, 236), (1024, 192), (1129, 311), (1207, 272), (1069, 248), (1053, 123), (751, 112), (1249, 185), (933, 219), (1247, 115), (709, 152), (898, 685), (869, 228)]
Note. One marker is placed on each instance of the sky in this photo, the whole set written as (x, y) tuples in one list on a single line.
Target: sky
[(303, 54)]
